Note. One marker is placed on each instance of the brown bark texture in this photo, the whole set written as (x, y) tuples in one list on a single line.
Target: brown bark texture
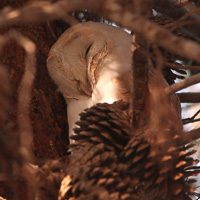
[(36, 165), (46, 101)]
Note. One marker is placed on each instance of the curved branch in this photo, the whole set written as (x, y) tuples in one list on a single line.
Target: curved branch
[(24, 98), (183, 84), (42, 11)]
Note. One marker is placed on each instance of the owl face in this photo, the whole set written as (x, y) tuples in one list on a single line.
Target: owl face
[(86, 52)]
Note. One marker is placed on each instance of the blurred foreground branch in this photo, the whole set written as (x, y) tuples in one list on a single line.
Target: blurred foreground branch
[(139, 79), (25, 129), (24, 100), (48, 177), (42, 11), (177, 10)]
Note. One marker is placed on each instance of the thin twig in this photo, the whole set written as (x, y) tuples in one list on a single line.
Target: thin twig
[(177, 25), (176, 10), (51, 31), (183, 84), (191, 119), (153, 33), (179, 66), (185, 18)]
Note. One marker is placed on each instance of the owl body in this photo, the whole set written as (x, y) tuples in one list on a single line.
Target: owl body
[(91, 63)]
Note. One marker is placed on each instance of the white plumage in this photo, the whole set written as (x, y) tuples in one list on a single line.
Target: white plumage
[(91, 63)]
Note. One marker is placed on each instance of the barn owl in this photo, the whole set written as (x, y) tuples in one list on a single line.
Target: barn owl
[(91, 63)]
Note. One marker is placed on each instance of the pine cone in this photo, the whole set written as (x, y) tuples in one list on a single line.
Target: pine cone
[(94, 171), (108, 162), (49, 177), (158, 157), (106, 124), (161, 169)]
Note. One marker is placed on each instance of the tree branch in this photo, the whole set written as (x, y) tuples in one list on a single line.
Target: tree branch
[(176, 11), (183, 84), (139, 80), (42, 11), (191, 119), (188, 121), (179, 66), (190, 136), (190, 97), (139, 67)]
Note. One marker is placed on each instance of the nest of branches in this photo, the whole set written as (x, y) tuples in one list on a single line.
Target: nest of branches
[(115, 158)]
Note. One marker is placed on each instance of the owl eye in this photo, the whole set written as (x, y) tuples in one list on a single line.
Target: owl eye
[(87, 51)]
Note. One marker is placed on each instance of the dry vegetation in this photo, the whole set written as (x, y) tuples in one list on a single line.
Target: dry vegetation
[(33, 124)]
